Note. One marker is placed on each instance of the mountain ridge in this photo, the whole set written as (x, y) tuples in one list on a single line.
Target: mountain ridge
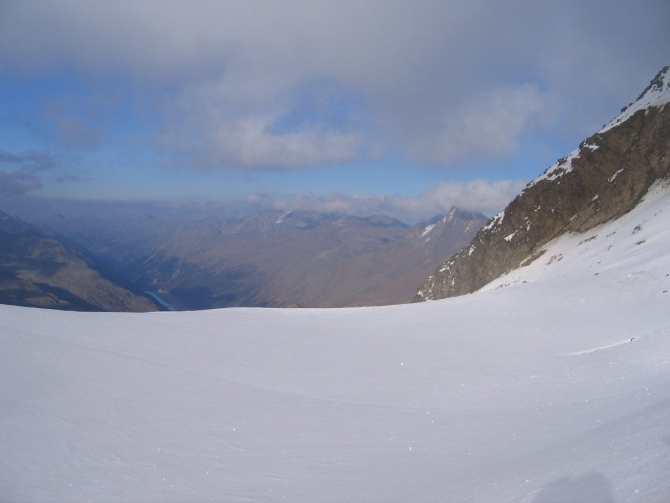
[(38, 269), (604, 178)]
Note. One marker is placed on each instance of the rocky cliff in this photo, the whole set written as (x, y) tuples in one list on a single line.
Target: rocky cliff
[(603, 179)]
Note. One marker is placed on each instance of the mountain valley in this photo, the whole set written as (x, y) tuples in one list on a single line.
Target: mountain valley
[(39, 269), (273, 258)]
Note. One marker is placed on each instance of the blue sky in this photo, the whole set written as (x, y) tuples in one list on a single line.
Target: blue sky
[(387, 106)]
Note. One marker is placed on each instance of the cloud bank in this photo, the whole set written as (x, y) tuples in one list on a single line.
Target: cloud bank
[(17, 183), (297, 83), (30, 162), (479, 195)]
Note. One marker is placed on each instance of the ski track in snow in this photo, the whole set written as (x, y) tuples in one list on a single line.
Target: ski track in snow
[(550, 384), (609, 346)]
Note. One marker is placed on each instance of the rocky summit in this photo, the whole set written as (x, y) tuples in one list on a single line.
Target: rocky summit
[(600, 181)]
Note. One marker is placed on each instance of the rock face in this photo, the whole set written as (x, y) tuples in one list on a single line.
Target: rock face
[(600, 181), (38, 270)]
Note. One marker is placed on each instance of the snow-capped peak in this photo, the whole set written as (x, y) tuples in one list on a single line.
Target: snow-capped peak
[(656, 94)]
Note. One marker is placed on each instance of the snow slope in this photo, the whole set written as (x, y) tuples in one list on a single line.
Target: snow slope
[(551, 385)]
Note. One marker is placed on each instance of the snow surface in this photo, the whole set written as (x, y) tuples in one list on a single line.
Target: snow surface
[(562, 167), (553, 388), (510, 237), (495, 221)]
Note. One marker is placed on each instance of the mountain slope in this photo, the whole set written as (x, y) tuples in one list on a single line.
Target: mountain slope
[(603, 179), (553, 389), (41, 271)]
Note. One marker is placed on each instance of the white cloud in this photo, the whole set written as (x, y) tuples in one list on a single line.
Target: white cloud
[(240, 120), (255, 142), (253, 145), (487, 127), (477, 195)]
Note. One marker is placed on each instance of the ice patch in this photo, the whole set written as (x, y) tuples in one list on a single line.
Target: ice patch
[(281, 218), (611, 178), (428, 229), (496, 220)]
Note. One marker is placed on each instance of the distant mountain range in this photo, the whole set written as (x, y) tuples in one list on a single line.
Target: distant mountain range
[(270, 258), (39, 269), (603, 179)]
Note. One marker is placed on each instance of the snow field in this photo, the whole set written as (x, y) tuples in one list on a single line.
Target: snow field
[(529, 391)]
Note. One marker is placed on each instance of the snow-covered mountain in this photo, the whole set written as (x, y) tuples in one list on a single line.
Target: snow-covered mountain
[(551, 384), (603, 179)]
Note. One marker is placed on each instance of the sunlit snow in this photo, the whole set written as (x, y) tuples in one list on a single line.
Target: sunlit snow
[(552, 384)]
